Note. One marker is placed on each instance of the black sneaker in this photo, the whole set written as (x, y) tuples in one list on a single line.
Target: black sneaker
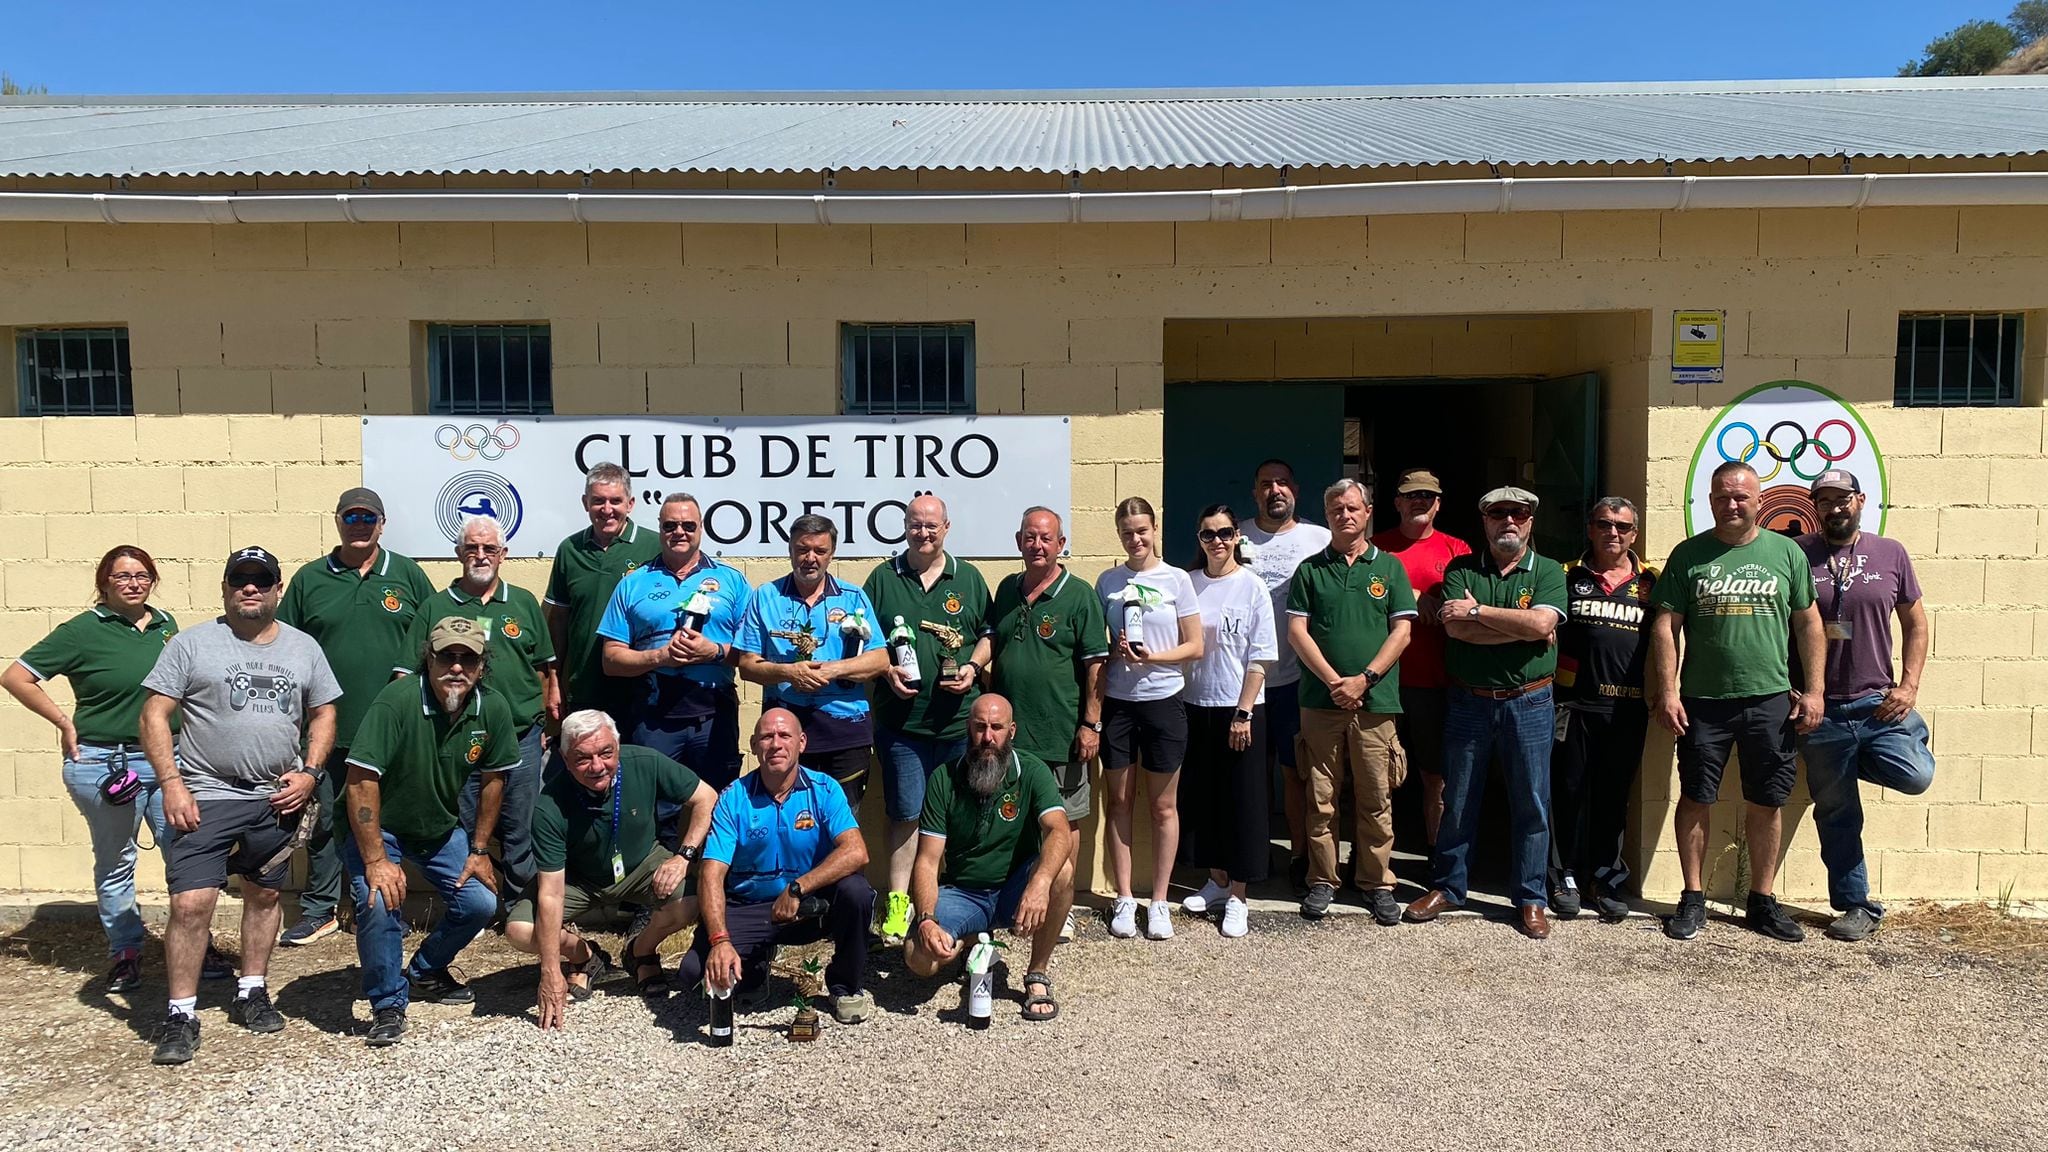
[(1316, 904), (1564, 902), (1766, 916), (310, 930), (126, 974), (1611, 908), (1691, 916), (1297, 874), (253, 1010), (1853, 925), (439, 987), (1380, 903), (216, 966), (386, 1026), (176, 1039)]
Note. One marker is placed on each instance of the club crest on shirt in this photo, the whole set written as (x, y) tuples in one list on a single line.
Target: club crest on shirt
[(632, 566), (804, 822), (1377, 589), (1634, 591), (1045, 627), (1523, 598), (511, 629), (952, 603), (1585, 588), (835, 615), (476, 748), (391, 601), (708, 585), (1008, 808)]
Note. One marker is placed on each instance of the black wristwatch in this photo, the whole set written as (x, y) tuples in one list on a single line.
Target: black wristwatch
[(1372, 678), (1094, 726), (795, 889), (1243, 716), (691, 852), (920, 918)]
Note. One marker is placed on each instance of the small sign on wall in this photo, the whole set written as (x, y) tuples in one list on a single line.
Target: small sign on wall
[(1698, 350)]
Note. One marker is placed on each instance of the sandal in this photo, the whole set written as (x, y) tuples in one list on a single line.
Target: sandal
[(1040, 1000), (593, 970), (655, 985)]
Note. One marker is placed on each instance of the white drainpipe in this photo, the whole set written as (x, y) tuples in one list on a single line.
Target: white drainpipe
[(1393, 198)]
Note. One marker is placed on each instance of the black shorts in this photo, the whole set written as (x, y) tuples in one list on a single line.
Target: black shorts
[(234, 837), (1152, 731), (849, 766), (1759, 728)]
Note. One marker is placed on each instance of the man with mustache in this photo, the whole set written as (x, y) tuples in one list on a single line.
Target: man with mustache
[(419, 746), (1868, 730), (978, 868)]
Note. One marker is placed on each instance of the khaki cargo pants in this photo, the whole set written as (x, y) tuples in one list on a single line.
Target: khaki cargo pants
[(1332, 743)]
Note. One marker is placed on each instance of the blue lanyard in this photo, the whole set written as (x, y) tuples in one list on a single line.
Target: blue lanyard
[(618, 786)]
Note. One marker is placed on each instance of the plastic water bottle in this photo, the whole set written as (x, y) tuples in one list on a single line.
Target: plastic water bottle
[(721, 1014), (903, 652), (696, 612), (980, 983)]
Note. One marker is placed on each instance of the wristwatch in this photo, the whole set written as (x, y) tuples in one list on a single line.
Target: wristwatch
[(1472, 613), (1372, 678), (920, 918), (1242, 715), (691, 851), (795, 890), (1094, 726)]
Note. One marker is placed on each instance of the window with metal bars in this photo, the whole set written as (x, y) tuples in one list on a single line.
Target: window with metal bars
[(74, 372), (907, 369), (1958, 360), (489, 370)]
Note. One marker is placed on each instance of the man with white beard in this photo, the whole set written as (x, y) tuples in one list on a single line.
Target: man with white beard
[(420, 743)]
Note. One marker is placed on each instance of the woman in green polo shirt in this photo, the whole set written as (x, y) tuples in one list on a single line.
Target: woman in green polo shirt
[(105, 652)]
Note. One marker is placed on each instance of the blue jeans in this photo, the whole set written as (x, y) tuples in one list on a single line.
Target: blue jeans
[(963, 912), (515, 815), (380, 947), (1520, 732), (1847, 747), (112, 828), (907, 762)]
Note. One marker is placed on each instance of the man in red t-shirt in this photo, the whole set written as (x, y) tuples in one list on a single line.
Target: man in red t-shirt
[(1424, 552)]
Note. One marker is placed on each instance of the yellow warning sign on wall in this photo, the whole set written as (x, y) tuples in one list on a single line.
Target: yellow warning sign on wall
[(1697, 347)]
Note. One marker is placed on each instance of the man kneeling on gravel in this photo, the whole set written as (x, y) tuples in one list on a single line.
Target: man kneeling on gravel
[(782, 865), (594, 846), (977, 869)]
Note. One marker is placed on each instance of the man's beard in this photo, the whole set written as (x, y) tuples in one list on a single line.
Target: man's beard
[(251, 612), (1839, 529), (482, 573), (986, 770), (452, 693), (1507, 542), (1279, 509)]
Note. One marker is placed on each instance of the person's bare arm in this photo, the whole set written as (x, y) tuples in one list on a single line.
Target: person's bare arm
[(1906, 693), (1508, 625), (1054, 846), (1810, 703), (1662, 671), (1189, 648), (1383, 661), (365, 792), (1087, 741), (26, 687), (557, 616), (553, 999), (849, 855), (697, 814), (932, 940), (489, 803), (181, 811), (855, 669)]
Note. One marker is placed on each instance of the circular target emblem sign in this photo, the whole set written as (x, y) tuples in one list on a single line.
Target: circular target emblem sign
[(1790, 432)]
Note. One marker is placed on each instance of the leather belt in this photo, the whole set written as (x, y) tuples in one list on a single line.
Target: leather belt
[(1508, 693)]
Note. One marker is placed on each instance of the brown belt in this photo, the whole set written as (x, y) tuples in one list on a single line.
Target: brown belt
[(1507, 693)]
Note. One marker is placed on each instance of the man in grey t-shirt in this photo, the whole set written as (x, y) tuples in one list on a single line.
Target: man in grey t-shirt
[(250, 688)]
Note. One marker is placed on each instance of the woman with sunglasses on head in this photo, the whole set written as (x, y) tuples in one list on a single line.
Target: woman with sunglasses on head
[(105, 652), (1223, 785), (1156, 627)]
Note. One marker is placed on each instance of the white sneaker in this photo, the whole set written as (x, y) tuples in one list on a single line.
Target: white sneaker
[(1067, 929), (1123, 918), (1200, 903), (1159, 921), (1236, 918)]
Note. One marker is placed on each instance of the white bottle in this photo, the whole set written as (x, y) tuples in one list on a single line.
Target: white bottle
[(1134, 624)]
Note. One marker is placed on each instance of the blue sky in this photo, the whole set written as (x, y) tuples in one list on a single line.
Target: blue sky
[(375, 46)]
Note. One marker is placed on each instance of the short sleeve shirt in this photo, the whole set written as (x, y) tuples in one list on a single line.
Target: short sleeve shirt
[(245, 703), (649, 603), (1275, 557), (1858, 588), (1737, 601), (1041, 651), (776, 626), (1533, 582), (1425, 560), (105, 658), (572, 826), (581, 583), (1604, 645), (957, 603), (1164, 596), (766, 844), (987, 841), (423, 756), (516, 632), (1351, 607), (1237, 632), (361, 620)]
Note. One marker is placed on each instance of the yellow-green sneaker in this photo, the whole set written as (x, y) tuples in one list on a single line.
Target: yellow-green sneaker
[(896, 923)]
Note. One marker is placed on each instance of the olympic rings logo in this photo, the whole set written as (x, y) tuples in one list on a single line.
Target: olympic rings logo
[(477, 441), (1768, 443)]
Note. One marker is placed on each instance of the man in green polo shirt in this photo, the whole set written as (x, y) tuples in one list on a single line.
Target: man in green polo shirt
[(358, 604), (945, 605), (522, 672), (1349, 611), (594, 842), (588, 565), (1502, 606), (421, 741), (994, 851), (1048, 642)]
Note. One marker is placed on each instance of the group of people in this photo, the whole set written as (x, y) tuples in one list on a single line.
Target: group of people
[(592, 735)]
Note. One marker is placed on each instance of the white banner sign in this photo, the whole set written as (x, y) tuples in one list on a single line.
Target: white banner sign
[(751, 475), (1790, 432)]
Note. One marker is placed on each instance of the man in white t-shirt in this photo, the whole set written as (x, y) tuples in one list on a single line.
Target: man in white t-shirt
[(1279, 543)]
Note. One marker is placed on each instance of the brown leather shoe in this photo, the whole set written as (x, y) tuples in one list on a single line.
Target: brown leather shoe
[(1432, 905), (1535, 922)]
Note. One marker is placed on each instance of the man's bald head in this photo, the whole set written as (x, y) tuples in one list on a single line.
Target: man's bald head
[(778, 740), (991, 725), (924, 530)]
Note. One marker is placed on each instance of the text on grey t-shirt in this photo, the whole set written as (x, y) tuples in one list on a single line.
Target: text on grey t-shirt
[(245, 704)]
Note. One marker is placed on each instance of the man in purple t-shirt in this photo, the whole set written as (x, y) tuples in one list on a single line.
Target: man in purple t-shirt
[(1869, 730)]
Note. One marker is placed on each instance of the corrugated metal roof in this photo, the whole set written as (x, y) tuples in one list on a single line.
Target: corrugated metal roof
[(1027, 131)]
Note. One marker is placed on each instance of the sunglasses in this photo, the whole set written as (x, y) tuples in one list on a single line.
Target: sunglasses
[(359, 519), (1518, 515), (1614, 526), (461, 656), (261, 581), (688, 527), (1425, 497), (1212, 535)]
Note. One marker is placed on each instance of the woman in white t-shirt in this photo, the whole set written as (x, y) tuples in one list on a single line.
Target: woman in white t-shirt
[(1223, 787), (1157, 627)]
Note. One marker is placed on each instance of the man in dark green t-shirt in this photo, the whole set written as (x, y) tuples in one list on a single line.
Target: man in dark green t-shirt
[(595, 845), (1349, 611), (1741, 596), (993, 852), (588, 565), (358, 603), (420, 743), (1502, 606)]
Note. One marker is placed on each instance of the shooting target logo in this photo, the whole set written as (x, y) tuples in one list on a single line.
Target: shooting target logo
[(478, 494)]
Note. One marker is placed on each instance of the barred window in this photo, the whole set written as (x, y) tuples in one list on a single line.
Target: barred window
[(1958, 360), (907, 369), (489, 370), (74, 372)]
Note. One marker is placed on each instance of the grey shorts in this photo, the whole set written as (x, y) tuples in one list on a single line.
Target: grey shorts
[(1075, 793), (235, 836)]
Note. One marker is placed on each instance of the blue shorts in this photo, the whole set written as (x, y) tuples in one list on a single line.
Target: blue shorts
[(907, 761), (964, 912)]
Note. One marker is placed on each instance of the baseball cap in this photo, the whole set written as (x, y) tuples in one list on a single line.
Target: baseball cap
[(359, 498), (1418, 480), (1509, 494), (258, 556), (1840, 478), (456, 632)]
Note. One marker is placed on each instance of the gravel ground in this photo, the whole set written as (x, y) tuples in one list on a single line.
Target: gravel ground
[(1448, 1036)]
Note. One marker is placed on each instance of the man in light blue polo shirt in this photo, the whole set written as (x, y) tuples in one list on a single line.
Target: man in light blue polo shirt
[(782, 865), (811, 643), (670, 627)]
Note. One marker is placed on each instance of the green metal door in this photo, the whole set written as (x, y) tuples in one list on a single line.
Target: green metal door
[(1564, 439), (1216, 435)]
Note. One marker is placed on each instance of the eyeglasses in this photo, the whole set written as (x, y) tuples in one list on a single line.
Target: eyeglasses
[(142, 578), (1425, 497), (687, 527), (480, 549), (921, 528), (454, 656), (1518, 515), (1212, 535), (359, 519), (1614, 526), (261, 581)]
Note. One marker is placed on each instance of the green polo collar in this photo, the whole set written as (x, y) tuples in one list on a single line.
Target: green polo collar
[(428, 703), (630, 536), (156, 618), (503, 595), (952, 565), (383, 563), (1371, 553)]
